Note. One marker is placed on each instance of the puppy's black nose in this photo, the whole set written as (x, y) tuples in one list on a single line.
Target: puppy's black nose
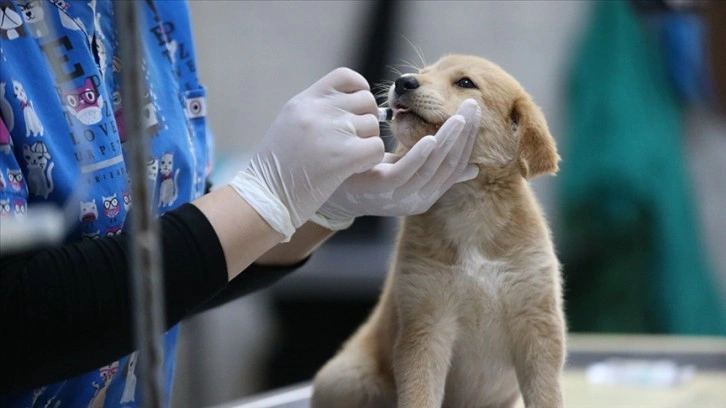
[(405, 84)]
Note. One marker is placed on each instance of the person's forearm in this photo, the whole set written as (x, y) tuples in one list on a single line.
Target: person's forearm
[(247, 238), (243, 234), (305, 240)]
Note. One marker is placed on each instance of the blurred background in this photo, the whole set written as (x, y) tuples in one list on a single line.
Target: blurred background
[(637, 208)]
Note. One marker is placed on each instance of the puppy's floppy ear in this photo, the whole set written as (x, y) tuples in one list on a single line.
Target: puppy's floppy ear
[(537, 153)]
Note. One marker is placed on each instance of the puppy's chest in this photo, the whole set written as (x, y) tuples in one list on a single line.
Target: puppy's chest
[(480, 284), (482, 348)]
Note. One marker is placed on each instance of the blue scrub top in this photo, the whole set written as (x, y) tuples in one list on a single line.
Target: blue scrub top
[(62, 141)]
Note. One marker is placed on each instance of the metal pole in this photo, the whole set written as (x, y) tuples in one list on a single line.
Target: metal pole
[(145, 249)]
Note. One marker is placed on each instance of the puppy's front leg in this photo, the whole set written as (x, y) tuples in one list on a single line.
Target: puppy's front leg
[(421, 360), (538, 336)]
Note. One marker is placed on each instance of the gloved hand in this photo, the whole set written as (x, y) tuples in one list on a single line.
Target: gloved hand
[(410, 184), (321, 137)]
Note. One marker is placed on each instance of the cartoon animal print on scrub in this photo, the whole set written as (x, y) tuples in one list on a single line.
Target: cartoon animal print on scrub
[(4, 208), (15, 178), (169, 189), (152, 169), (6, 110), (40, 169), (110, 206), (107, 373), (20, 207), (150, 120), (126, 198), (33, 127), (113, 231), (36, 394), (91, 235), (98, 43), (6, 144), (68, 22), (62, 5), (33, 13), (118, 114), (89, 211), (84, 102), (129, 394), (11, 24)]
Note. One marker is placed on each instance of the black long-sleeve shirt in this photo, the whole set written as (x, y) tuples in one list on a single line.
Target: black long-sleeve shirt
[(65, 311)]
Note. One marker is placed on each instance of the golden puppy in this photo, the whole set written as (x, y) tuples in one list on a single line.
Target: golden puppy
[(471, 313)]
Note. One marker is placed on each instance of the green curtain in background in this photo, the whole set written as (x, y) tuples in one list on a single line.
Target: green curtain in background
[(630, 245)]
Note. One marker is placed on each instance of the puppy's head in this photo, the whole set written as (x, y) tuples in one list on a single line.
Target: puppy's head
[(513, 133)]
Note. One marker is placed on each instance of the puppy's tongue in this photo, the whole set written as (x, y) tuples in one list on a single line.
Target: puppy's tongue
[(399, 109)]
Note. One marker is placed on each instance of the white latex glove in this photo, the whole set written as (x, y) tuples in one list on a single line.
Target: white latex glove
[(321, 137), (410, 184)]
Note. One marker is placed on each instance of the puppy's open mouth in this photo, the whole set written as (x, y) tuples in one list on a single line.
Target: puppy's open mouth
[(401, 110)]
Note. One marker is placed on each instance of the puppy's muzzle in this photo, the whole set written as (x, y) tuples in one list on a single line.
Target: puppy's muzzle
[(405, 84)]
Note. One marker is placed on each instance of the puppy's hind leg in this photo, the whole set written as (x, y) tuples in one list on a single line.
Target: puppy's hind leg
[(353, 380)]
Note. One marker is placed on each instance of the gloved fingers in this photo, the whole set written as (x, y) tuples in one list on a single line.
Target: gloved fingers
[(471, 112), (360, 103), (460, 144), (440, 183), (446, 140), (365, 125), (409, 168), (342, 80), (469, 173), (436, 187), (432, 167), (391, 158), (454, 164), (451, 164), (367, 152), (379, 173)]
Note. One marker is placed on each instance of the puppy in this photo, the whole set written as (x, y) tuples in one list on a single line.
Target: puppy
[(471, 312)]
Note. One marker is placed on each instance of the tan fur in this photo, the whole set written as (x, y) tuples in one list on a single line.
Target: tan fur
[(471, 312)]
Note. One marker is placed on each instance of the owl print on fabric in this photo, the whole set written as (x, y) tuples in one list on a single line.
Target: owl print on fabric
[(126, 198), (84, 102), (111, 206), (5, 208), (152, 169), (113, 231), (20, 207), (15, 179)]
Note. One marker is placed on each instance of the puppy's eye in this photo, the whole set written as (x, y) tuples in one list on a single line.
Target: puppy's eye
[(465, 83)]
